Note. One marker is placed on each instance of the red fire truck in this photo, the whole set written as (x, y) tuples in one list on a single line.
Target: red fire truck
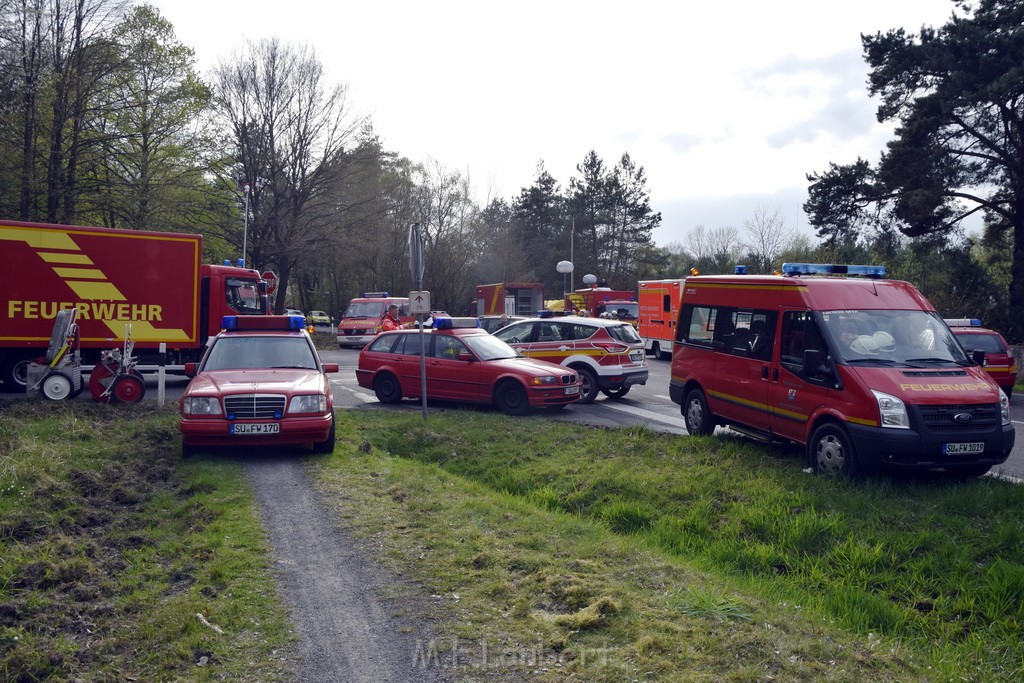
[(620, 304), (154, 282), (509, 298), (362, 320), (659, 306)]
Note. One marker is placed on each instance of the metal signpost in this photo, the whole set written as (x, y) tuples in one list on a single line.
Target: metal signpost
[(416, 302)]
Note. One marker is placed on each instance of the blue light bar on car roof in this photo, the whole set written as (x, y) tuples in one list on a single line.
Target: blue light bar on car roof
[(446, 323), (375, 295), (962, 322), (263, 322), (832, 269)]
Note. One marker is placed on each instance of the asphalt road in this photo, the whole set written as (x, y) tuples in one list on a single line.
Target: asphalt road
[(647, 404)]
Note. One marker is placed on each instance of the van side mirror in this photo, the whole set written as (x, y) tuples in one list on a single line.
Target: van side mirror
[(814, 363), (978, 356), (812, 360)]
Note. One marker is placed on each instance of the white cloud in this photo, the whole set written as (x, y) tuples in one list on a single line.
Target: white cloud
[(726, 106)]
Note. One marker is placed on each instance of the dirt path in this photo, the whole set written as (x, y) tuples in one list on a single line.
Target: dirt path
[(346, 631)]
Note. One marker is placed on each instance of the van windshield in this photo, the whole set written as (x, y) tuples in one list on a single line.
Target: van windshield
[(365, 309), (910, 338)]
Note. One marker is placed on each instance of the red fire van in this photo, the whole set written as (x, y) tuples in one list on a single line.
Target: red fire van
[(861, 370)]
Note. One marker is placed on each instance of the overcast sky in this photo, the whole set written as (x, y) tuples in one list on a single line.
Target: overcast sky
[(727, 106)]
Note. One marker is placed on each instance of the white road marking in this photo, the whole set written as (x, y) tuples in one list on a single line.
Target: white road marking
[(366, 398), (646, 414)]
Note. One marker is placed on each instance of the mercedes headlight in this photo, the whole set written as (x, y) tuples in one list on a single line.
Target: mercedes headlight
[(310, 403), (201, 405)]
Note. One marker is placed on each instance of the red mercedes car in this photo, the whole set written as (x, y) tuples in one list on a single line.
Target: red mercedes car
[(463, 363), (260, 382)]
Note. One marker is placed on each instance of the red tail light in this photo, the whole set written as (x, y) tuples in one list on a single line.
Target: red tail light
[(611, 347)]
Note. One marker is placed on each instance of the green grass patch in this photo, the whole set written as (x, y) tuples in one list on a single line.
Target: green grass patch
[(629, 554), (111, 549)]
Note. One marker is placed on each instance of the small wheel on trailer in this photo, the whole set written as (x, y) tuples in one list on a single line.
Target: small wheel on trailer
[(99, 380), (128, 389), (57, 386), (696, 414)]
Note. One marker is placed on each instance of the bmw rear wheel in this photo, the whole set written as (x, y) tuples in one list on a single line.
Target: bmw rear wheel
[(387, 388)]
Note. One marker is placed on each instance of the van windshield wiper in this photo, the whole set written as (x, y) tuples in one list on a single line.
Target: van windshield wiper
[(883, 361), (932, 359)]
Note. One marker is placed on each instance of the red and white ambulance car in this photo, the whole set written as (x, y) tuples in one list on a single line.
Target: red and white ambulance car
[(861, 370), (659, 308)]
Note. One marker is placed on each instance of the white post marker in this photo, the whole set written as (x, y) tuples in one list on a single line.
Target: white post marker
[(160, 374)]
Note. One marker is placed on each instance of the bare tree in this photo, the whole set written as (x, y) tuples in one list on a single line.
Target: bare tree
[(714, 250), (448, 217), (767, 237), (290, 129)]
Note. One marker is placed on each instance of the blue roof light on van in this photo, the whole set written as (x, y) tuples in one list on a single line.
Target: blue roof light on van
[(740, 270), (792, 269), (962, 322)]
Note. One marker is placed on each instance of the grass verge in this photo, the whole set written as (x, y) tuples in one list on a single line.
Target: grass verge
[(607, 555), (118, 562)]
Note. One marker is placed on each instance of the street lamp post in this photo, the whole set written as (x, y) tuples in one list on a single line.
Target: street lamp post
[(564, 267), (245, 223)]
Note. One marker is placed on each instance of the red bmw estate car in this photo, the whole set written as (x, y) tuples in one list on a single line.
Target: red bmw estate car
[(463, 363)]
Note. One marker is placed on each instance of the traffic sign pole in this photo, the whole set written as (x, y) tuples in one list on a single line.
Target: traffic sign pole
[(416, 270)]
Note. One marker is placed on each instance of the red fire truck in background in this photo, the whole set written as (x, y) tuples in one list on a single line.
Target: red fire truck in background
[(620, 304), (509, 298), (362, 319), (659, 306), (154, 282)]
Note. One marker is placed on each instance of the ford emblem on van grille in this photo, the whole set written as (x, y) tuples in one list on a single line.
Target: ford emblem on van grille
[(960, 418)]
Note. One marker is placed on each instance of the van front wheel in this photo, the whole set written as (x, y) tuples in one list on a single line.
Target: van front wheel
[(697, 415), (831, 452)]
